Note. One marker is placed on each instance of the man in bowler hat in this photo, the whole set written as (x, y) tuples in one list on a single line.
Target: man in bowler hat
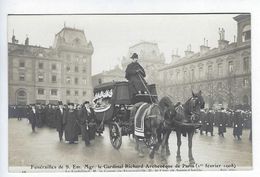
[(135, 74), (60, 112)]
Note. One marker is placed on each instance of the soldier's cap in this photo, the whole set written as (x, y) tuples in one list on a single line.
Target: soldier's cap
[(72, 104), (134, 56), (59, 102)]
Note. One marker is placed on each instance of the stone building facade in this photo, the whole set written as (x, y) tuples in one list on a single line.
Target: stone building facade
[(113, 75), (223, 74), (47, 75)]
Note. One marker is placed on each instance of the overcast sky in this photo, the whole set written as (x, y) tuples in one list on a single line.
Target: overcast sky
[(112, 35)]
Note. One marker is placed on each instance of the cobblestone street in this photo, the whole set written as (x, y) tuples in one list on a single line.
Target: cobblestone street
[(43, 148)]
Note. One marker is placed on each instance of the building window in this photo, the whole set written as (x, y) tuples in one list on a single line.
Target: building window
[(84, 81), (230, 66), (84, 70), (220, 69), (84, 60), (76, 93), (99, 81), (219, 86), (40, 91), (54, 78), (68, 92), (68, 57), (54, 92), (246, 33), (84, 93), (184, 76), (200, 72), (76, 80), (40, 78), (76, 69), (53, 66), (245, 82), (68, 68), (77, 59), (178, 76), (40, 65), (22, 64), (210, 70), (246, 64), (68, 80), (22, 77), (192, 75)]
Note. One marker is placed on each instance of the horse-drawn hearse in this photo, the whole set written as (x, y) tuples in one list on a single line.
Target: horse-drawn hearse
[(144, 115), (113, 103)]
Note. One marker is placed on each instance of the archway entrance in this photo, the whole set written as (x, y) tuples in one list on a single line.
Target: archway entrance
[(245, 99), (21, 97)]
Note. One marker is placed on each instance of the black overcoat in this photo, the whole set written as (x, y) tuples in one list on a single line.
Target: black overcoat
[(70, 121), (135, 74)]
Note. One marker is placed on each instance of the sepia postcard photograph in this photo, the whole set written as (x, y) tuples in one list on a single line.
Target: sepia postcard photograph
[(129, 92)]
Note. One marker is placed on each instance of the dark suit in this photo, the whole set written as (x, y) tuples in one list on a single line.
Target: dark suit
[(33, 115), (70, 121), (59, 122)]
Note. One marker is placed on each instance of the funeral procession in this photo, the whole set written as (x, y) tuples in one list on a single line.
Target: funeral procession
[(72, 108)]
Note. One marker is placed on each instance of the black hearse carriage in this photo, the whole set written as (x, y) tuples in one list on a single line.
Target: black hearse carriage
[(112, 105)]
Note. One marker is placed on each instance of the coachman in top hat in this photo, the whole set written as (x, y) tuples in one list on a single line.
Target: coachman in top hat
[(135, 75)]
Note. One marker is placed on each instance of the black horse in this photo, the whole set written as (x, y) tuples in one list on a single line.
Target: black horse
[(182, 118)]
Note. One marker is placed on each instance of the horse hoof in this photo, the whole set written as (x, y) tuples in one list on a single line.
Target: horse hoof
[(192, 162), (164, 161), (140, 154), (178, 159), (151, 155), (168, 153)]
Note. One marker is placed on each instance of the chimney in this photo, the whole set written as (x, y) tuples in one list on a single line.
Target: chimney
[(27, 40), (222, 43), (175, 56), (188, 52), (204, 48)]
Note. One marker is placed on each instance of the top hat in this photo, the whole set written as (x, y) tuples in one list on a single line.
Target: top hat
[(134, 56)]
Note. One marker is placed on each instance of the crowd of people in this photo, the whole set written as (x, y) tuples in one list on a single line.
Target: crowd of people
[(73, 119), (69, 120), (221, 118)]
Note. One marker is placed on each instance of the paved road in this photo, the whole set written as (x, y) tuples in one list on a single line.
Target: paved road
[(43, 148)]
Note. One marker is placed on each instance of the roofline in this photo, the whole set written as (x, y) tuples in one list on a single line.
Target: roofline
[(242, 17), (154, 43), (206, 57), (35, 46), (69, 28)]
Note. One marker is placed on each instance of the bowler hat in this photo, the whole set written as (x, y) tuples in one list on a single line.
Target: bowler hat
[(86, 102), (134, 56), (72, 104)]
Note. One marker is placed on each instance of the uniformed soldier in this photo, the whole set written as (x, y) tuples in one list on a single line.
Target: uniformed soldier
[(221, 119), (202, 121), (238, 124), (135, 74), (210, 121)]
